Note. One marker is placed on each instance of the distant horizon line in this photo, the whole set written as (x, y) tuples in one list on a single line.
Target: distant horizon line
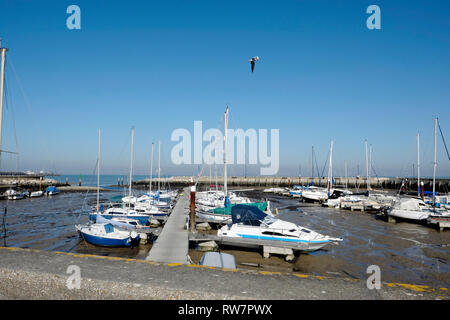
[(247, 176)]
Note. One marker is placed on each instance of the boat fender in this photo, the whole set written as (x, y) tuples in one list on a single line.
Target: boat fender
[(133, 234)]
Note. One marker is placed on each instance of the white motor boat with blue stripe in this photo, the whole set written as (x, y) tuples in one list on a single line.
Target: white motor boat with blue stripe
[(248, 222)]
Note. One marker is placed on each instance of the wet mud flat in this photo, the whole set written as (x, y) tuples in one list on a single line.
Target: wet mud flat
[(405, 252), (48, 223)]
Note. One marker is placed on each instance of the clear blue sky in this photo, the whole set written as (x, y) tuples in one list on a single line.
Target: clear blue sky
[(160, 65)]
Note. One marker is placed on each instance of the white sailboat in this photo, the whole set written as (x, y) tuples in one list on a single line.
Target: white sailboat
[(220, 211), (125, 212), (440, 216), (105, 232), (416, 209), (318, 194)]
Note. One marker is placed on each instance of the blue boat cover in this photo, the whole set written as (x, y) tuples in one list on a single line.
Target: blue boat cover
[(51, 189), (109, 228), (248, 215)]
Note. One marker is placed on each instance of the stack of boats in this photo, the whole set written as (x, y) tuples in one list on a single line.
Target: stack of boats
[(251, 224), (215, 206), (126, 224)]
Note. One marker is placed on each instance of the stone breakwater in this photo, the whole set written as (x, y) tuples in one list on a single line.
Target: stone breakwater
[(29, 183), (442, 185)]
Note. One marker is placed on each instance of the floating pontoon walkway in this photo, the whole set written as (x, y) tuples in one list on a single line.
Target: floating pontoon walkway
[(173, 243)]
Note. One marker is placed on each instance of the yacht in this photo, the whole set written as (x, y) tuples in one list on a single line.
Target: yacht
[(248, 222), (410, 209)]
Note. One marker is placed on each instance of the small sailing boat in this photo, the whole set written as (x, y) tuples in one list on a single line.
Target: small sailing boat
[(415, 208), (121, 212), (221, 210), (317, 194), (107, 235), (103, 233)]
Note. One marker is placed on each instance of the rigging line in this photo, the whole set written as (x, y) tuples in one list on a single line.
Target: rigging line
[(27, 103), (326, 161), (11, 117), (215, 149), (443, 140), (84, 204)]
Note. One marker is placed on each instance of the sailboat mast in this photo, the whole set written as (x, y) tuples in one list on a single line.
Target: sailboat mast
[(367, 168), (370, 162), (159, 165), (225, 187), (98, 170), (2, 79), (434, 162), (346, 176), (151, 172), (330, 168), (418, 165), (312, 165), (131, 163)]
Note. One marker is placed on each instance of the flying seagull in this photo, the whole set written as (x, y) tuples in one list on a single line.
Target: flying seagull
[(252, 61)]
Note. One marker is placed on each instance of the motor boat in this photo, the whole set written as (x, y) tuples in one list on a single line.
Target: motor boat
[(296, 191), (12, 194), (411, 209), (441, 218), (50, 191), (334, 200), (248, 222), (34, 194)]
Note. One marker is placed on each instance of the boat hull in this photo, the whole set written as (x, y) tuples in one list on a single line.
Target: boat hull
[(409, 215), (141, 219), (105, 242)]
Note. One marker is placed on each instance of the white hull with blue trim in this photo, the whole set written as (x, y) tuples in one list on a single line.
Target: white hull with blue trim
[(251, 223)]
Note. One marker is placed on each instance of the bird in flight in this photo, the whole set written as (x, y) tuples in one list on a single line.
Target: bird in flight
[(252, 61)]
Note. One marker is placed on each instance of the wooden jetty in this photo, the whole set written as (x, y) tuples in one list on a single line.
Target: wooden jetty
[(172, 244)]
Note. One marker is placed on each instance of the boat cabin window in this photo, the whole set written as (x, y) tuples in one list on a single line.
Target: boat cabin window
[(272, 233), (306, 231)]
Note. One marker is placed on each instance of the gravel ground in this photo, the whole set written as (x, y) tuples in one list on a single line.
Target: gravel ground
[(34, 274)]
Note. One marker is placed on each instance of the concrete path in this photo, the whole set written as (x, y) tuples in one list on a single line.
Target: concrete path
[(173, 243)]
